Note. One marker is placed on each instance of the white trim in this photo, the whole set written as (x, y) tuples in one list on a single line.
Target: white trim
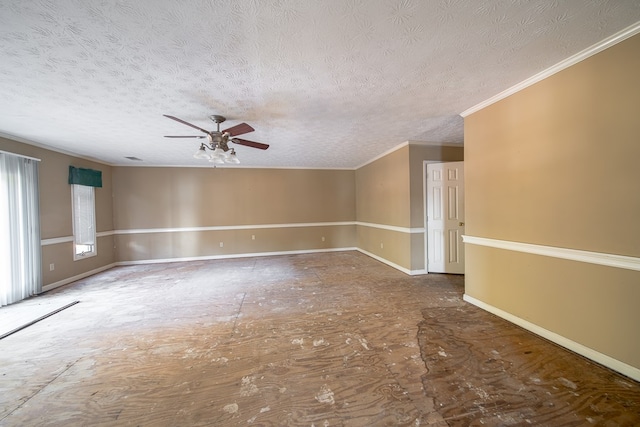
[(20, 155), (391, 227), (67, 239), (392, 264), (50, 148), (425, 209), (228, 256), (572, 60), (230, 166), (142, 165), (436, 144), (609, 260), (379, 156), (77, 277), (416, 230), (56, 240), (74, 212), (204, 165), (262, 254), (589, 353), (231, 227)]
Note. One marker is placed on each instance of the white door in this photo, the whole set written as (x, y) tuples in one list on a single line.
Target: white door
[(445, 217)]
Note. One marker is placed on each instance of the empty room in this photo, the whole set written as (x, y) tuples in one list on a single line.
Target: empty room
[(319, 213)]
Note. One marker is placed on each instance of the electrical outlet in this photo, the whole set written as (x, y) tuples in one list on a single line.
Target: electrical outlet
[(52, 267), (221, 244), (381, 245), (253, 237), (323, 238)]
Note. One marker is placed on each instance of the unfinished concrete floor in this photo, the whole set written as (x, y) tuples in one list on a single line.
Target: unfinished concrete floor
[(334, 339)]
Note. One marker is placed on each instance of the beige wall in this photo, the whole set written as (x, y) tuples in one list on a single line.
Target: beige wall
[(56, 216), (134, 200), (389, 192), (556, 165), (149, 213), (159, 199), (383, 190), (383, 199)]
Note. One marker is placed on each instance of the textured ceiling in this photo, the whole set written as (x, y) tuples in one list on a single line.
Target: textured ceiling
[(328, 83)]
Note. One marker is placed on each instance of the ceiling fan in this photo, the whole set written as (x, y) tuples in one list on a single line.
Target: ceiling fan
[(218, 141)]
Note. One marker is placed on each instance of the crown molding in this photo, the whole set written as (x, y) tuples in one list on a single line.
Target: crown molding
[(50, 148), (20, 155), (436, 144), (572, 60), (386, 153), (210, 166)]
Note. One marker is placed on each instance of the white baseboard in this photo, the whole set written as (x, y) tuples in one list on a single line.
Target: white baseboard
[(229, 256), (392, 264), (77, 277), (603, 359)]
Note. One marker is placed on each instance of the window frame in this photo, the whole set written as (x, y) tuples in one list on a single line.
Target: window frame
[(79, 254)]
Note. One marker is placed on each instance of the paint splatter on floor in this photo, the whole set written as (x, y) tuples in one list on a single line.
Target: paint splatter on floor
[(200, 344), (529, 381)]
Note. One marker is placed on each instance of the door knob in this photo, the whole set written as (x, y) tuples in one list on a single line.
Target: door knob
[(461, 224)]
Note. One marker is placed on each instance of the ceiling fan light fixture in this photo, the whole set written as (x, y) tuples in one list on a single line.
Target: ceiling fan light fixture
[(202, 153), (218, 153), (232, 157), (217, 160)]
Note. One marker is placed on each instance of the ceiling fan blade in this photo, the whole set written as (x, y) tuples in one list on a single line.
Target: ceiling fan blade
[(190, 136), (186, 123), (250, 143), (239, 129)]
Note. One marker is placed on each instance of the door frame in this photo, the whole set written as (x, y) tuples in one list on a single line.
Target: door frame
[(425, 208)]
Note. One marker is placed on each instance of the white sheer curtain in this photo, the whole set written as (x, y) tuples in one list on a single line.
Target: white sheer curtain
[(20, 256)]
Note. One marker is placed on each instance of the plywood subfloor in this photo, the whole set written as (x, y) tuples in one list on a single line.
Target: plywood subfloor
[(483, 370), (334, 339)]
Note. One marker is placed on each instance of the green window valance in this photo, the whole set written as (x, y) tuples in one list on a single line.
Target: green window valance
[(88, 177)]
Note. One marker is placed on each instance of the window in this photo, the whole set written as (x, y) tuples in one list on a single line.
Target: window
[(84, 221), (20, 262)]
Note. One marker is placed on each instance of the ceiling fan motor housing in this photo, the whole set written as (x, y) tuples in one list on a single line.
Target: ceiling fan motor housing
[(219, 139)]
